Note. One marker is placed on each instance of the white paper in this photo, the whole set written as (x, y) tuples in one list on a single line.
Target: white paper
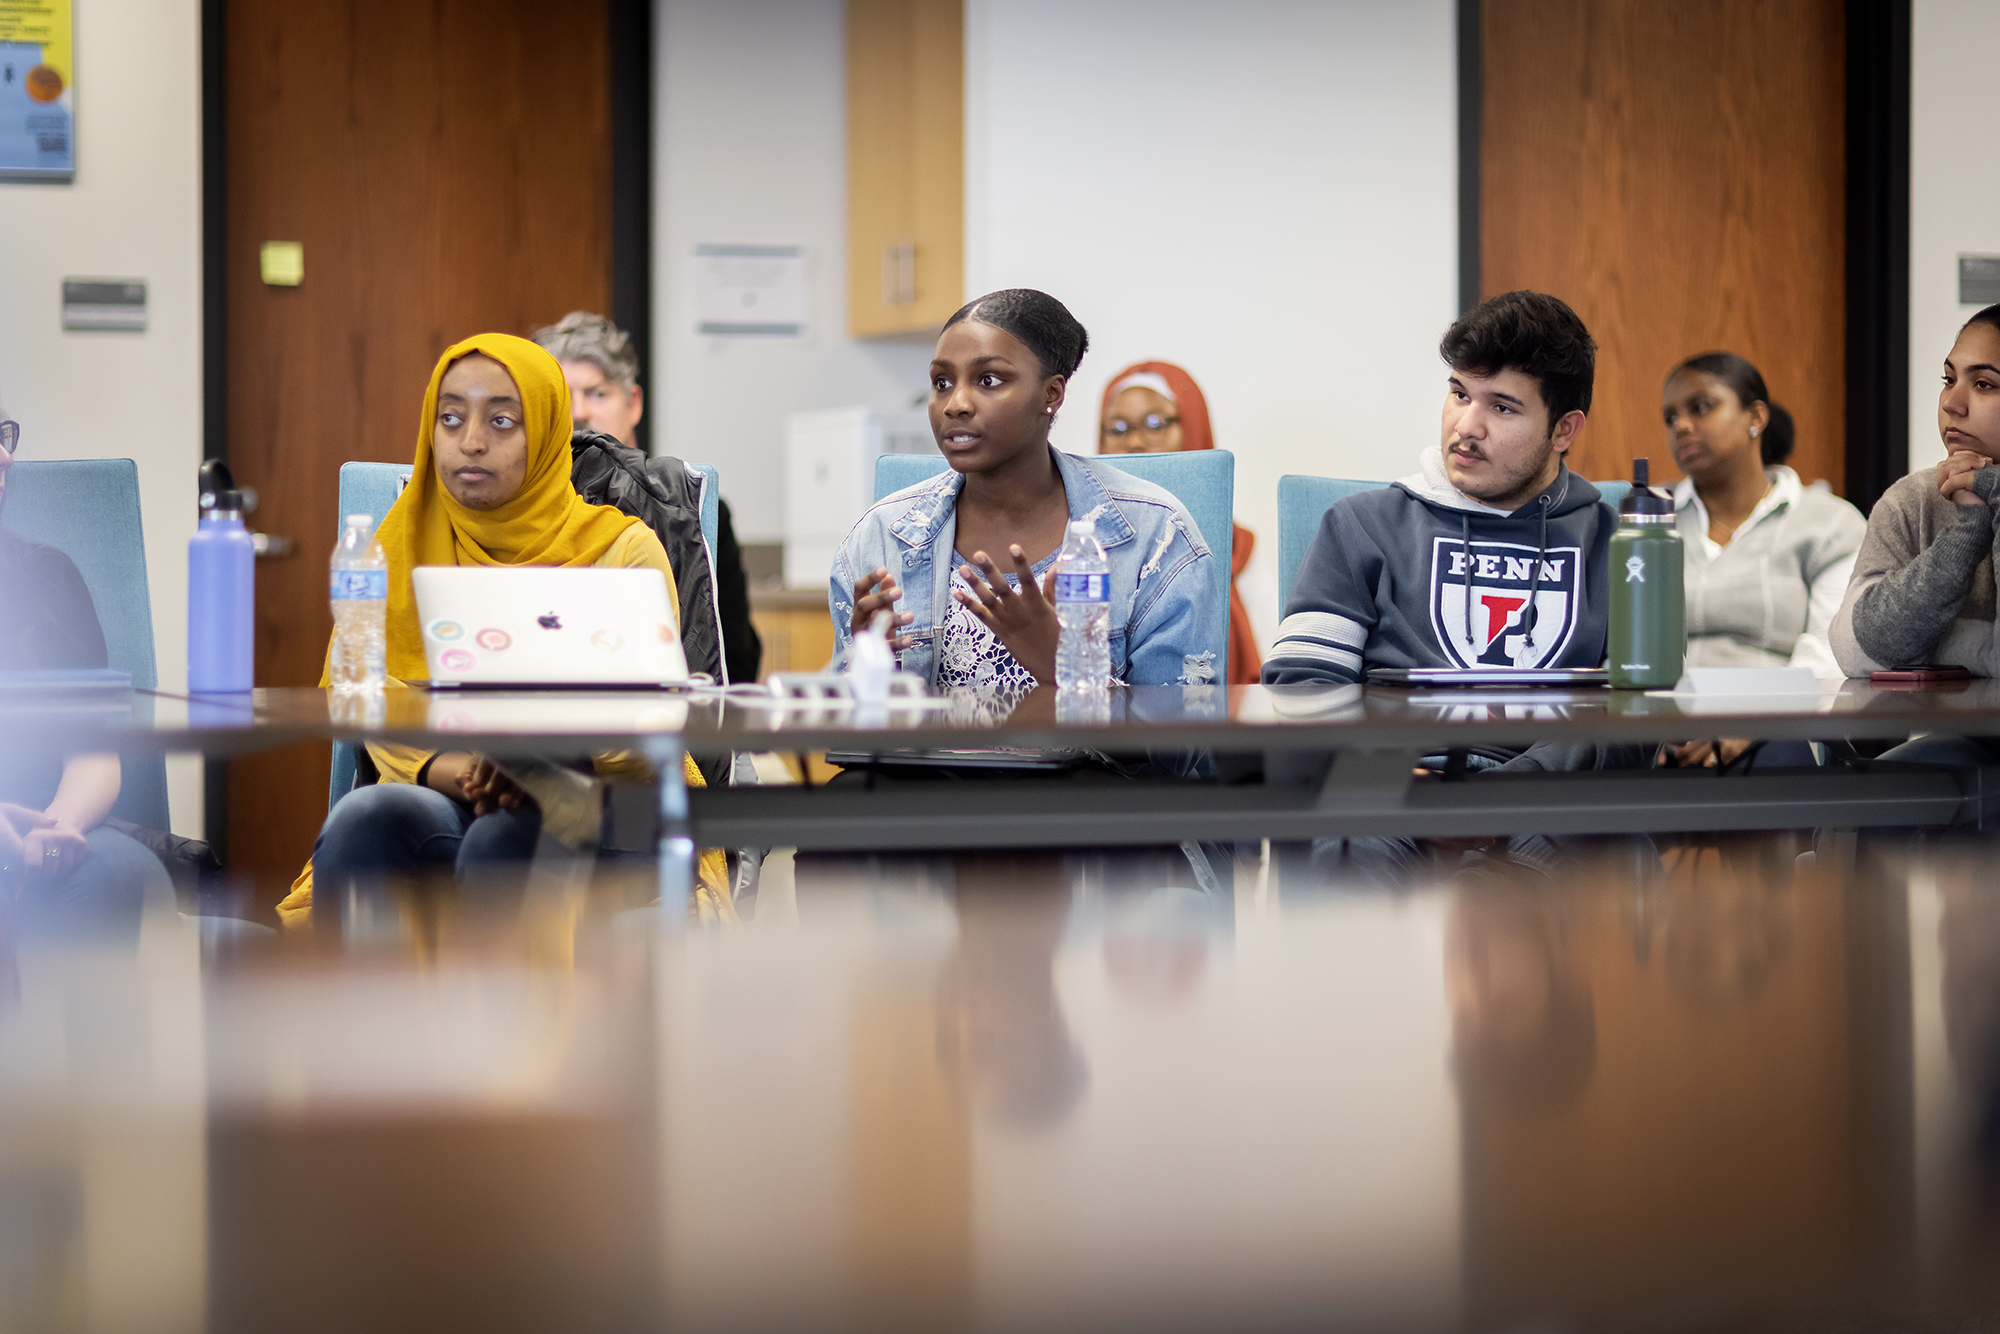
[(750, 291)]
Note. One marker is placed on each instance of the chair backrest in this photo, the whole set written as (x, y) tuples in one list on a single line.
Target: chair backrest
[(1203, 480), (371, 488), (711, 503), (88, 509), (1303, 500)]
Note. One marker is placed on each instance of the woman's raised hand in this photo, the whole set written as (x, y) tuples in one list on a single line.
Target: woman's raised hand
[(1955, 476), (1024, 619), (876, 591)]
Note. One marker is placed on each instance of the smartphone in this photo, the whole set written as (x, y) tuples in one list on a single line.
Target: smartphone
[(1918, 674)]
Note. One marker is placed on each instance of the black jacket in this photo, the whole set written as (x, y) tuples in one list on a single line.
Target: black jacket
[(665, 494)]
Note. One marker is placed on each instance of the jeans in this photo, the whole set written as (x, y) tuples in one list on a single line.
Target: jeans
[(100, 899), (392, 828)]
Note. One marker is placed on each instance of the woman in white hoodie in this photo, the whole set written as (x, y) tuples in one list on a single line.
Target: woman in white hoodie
[(1767, 557)]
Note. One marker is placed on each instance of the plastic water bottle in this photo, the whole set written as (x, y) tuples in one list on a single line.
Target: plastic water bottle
[(222, 589), (360, 596), (1083, 607)]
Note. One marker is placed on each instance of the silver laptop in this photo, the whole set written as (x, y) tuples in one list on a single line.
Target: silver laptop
[(539, 626)]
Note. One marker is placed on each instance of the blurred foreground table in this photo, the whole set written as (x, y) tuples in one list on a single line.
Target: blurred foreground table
[(1320, 761), (1109, 1089)]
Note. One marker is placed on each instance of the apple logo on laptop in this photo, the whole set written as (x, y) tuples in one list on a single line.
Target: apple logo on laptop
[(549, 622)]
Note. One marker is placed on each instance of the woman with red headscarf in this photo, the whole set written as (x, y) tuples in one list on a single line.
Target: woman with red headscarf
[(1156, 407)]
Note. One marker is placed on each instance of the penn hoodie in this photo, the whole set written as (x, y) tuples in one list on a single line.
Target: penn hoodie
[(1418, 574)]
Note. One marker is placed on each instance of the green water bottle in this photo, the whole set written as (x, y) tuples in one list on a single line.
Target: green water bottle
[(1648, 614)]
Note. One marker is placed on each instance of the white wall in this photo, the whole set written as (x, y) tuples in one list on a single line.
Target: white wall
[(751, 146), (1263, 192), (134, 211), (1954, 194)]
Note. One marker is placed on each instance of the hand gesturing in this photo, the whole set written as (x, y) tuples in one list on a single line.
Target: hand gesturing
[(877, 591), (1023, 619)]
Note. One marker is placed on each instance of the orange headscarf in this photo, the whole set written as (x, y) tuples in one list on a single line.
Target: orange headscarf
[(546, 523), (1246, 665), (1187, 396)]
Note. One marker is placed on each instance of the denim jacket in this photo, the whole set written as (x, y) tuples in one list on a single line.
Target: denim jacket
[(1165, 597)]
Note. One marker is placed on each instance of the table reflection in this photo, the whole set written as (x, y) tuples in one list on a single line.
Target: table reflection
[(1726, 1085)]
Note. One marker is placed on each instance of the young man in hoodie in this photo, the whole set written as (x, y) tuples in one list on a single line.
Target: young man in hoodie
[(1491, 553)]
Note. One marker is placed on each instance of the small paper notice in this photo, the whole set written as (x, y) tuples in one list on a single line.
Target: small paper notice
[(750, 291)]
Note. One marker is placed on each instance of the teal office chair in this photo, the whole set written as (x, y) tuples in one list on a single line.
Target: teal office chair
[(1203, 480), (1303, 500), (88, 509), (371, 488)]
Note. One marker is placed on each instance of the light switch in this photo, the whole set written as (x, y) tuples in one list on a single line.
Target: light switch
[(283, 263)]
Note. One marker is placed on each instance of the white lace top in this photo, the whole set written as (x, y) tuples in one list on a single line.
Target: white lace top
[(976, 673)]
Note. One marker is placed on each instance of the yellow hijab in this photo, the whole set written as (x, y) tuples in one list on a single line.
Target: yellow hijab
[(546, 523)]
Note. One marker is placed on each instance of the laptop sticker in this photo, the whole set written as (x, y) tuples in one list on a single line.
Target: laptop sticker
[(495, 641), (609, 640), (457, 660), (446, 632)]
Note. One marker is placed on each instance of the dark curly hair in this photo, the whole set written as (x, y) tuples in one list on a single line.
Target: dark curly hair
[(1533, 333), (1745, 381), (1042, 323)]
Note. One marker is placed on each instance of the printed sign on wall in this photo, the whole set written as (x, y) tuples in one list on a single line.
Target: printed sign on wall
[(37, 91)]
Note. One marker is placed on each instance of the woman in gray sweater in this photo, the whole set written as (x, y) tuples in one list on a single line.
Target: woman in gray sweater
[(1923, 586), (1767, 557)]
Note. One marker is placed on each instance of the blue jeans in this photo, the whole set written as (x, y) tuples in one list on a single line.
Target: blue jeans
[(100, 899), (398, 828)]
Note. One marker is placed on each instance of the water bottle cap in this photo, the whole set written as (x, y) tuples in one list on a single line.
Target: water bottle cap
[(360, 521), (1642, 499), (1084, 526), (218, 489)]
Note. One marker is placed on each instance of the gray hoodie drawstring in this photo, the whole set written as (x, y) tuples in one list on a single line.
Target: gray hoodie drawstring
[(1529, 614), (1542, 555), (1465, 550)]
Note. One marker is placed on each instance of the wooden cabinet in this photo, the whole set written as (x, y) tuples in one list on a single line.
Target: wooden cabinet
[(905, 165), (795, 627)]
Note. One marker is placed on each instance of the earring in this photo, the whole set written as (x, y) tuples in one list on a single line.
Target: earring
[(1050, 411), (1753, 433)]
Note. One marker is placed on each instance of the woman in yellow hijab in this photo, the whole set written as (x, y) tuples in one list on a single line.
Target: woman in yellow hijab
[(490, 486)]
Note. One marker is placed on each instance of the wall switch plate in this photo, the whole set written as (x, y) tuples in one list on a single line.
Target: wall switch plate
[(282, 263)]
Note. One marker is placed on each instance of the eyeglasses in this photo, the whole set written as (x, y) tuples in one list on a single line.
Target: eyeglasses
[(1152, 423), (10, 435)]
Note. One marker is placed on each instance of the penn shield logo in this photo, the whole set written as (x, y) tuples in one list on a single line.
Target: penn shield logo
[(1493, 631)]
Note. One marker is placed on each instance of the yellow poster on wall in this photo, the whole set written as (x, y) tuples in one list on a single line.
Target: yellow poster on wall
[(37, 91)]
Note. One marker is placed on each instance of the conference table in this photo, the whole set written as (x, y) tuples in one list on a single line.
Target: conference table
[(1201, 762), (1013, 1054)]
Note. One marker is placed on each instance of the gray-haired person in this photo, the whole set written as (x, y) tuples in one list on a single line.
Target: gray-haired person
[(605, 396)]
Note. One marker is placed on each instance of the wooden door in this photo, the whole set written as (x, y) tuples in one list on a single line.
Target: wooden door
[(1674, 170), (447, 168)]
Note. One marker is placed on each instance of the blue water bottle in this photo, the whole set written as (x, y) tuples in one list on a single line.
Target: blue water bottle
[(222, 589)]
